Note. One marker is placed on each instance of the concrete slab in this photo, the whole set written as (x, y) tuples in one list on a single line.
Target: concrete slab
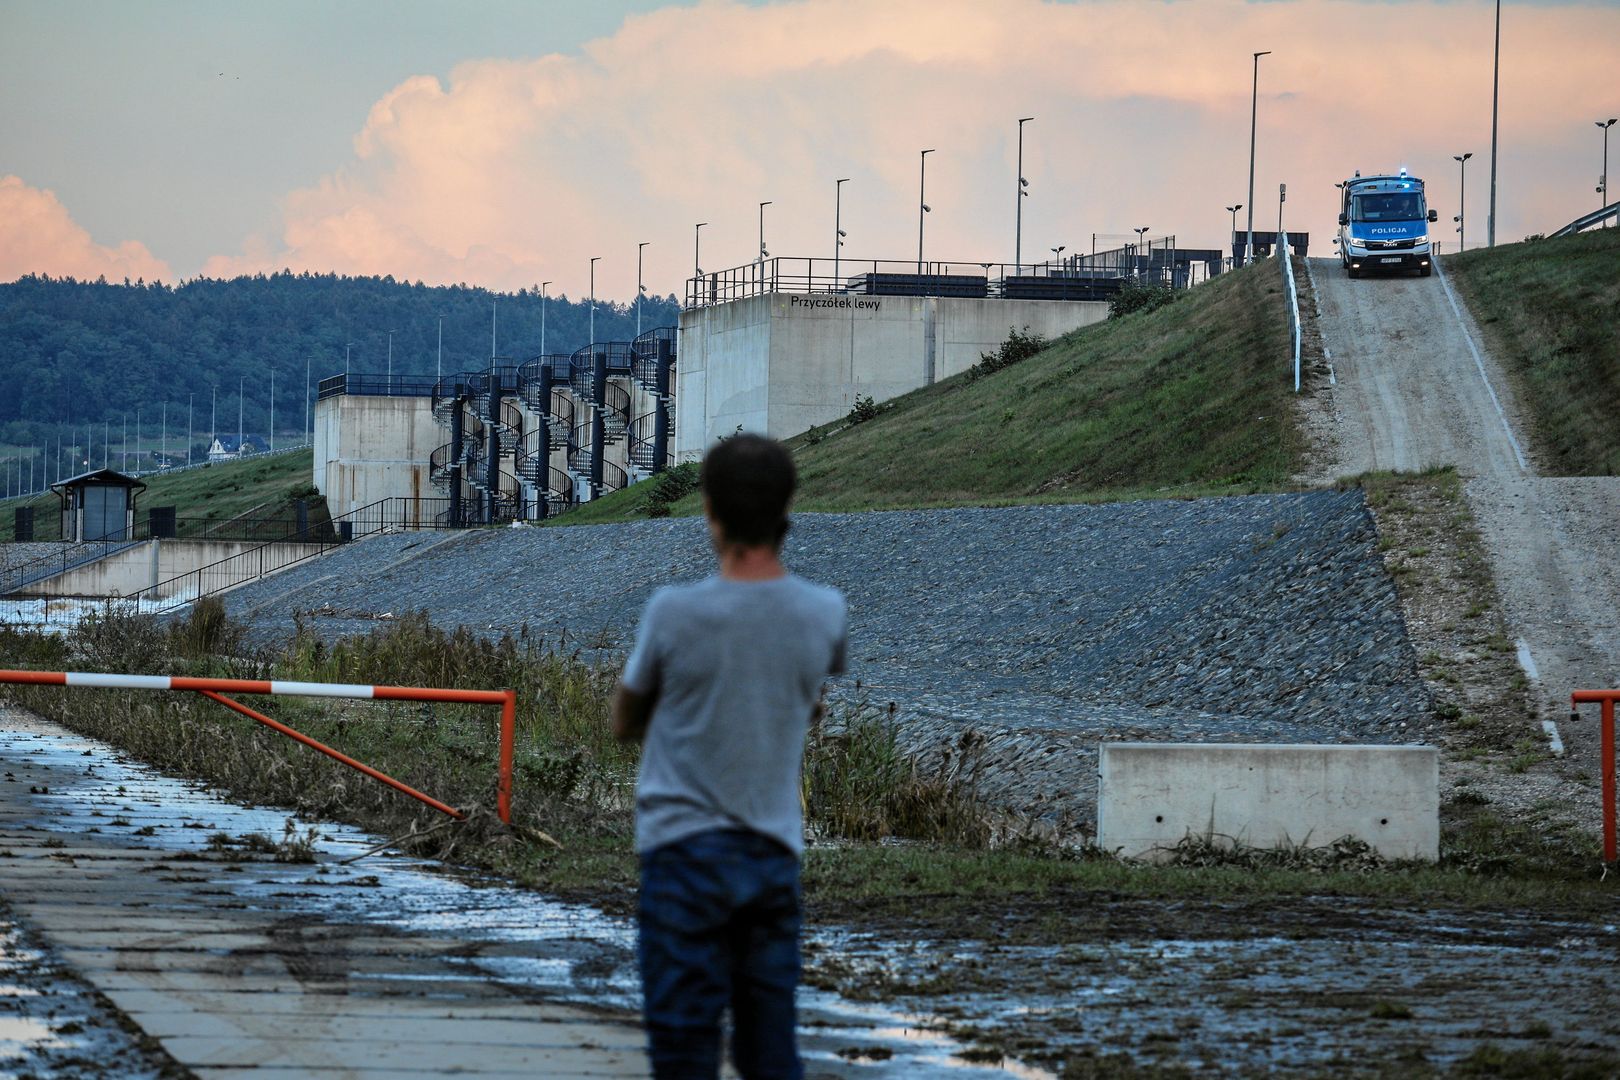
[(1153, 795)]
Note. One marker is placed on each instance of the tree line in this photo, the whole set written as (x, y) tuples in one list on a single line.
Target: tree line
[(76, 353)]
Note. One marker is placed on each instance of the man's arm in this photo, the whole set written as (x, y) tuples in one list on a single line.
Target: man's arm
[(631, 711)]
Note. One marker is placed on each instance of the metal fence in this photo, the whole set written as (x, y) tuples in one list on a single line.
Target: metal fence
[(846, 282)]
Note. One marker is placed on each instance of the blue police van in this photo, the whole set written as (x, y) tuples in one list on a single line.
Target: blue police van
[(1384, 225)]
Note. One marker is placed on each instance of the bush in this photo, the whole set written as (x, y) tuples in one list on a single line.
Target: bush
[(1019, 346), (1135, 297), (863, 410), (669, 487)]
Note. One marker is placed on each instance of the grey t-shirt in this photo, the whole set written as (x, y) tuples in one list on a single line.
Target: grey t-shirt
[(736, 668)]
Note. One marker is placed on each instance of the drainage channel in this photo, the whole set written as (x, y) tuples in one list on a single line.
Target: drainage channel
[(167, 899)]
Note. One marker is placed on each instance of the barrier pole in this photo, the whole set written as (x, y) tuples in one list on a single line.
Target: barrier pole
[(217, 688), (1605, 700), (335, 755), (503, 784)]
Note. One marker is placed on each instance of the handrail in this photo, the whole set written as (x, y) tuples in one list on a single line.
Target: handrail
[(1287, 258), (1605, 699)]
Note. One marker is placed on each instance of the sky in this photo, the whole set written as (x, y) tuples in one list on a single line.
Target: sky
[(507, 142)]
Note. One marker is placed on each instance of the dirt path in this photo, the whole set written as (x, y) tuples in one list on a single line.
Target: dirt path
[(1411, 387)]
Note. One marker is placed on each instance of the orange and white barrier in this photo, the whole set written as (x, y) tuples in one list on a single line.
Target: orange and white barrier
[(216, 689)]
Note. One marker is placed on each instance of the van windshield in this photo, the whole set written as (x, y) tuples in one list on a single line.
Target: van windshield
[(1391, 206)]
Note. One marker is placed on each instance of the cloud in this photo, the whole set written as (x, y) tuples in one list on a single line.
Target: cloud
[(39, 236), (516, 171)]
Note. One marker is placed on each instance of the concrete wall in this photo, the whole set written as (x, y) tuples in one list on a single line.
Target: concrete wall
[(783, 363), (156, 561), (1152, 795), (371, 447)]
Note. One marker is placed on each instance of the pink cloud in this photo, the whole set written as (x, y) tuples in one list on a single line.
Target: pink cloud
[(515, 171), (39, 236)]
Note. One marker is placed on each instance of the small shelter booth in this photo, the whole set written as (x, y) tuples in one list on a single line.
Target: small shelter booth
[(98, 505)]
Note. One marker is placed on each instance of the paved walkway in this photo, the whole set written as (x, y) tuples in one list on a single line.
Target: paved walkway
[(210, 948)]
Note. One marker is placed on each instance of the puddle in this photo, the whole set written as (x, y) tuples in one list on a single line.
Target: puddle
[(567, 952)]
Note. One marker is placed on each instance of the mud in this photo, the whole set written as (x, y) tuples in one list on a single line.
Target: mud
[(1025, 987)]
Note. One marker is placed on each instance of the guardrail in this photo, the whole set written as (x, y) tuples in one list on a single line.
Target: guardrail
[(1294, 330), (1605, 699), (1596, 217), (216, 689)]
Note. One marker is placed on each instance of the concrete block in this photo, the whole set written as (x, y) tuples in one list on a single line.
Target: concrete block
[(1152, 795)]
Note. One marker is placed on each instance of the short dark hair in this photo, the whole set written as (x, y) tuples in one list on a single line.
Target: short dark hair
[(748, 481)]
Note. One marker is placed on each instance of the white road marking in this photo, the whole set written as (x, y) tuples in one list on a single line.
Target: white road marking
[(1480, 364), (1554, 743), (1528, 662)]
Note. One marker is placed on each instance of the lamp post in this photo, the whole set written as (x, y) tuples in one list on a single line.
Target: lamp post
[(391, 334), (922, 205), (594, 261), (1023, 190), (697, 249), (543, 285), (639, 287), (838, 231), (1057, 254), (241, 398), (1143, 230), (438, 370), (1233, 211), (190, 400), (1496, 82), (1603, 177), (762, 252), (346, 346), (309, 432), (1462, 198), (1254, 112)]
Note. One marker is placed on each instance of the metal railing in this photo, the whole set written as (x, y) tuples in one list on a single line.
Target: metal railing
[(375, 384), (1588, 221), (385, 515), (1294, 329), (1159, 261)]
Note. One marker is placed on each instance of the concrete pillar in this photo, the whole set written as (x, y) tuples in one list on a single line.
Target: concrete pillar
[(661, 409), (456, 447), (543, 477), (492, 450), (598, 407)]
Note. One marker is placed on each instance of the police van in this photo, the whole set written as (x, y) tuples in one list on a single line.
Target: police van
[(1384, 225)]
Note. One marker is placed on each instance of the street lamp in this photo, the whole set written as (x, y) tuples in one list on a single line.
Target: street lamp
[(922, 206), (1057, 254), (1462, 198), (438, 370), (1023, 191), (838, 231), (1603, 177), (594, 261), (639, 287), (1496, 82), (697, 261), (763, 254), (1233, 211), (1139, 234), (1254, 110), (391, 334)]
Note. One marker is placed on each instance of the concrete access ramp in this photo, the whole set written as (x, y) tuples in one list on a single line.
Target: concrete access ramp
[(1151, 796), (174, 564)]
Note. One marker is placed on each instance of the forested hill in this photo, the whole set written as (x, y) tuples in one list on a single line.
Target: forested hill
[(74, 352)]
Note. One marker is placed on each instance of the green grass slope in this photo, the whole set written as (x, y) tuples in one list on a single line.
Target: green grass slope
[(1194, 398), (1550, 310), (220, 491)]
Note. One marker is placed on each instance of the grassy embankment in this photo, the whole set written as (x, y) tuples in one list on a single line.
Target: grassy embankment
[(1191, 399), (1550, 311), (221, 491)]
